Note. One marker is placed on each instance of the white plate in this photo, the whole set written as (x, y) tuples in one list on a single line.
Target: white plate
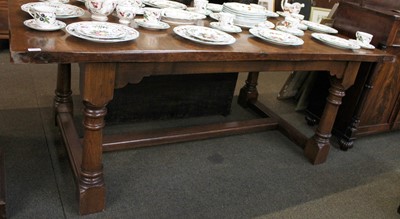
[(294, 31), (363, 45), (228, 29), (32, 24), (243, 9), (165, 4), (131, 34), (265, 24), (159, 26), (335, 41), (61, 1), (178, 16), (192, 9), (276, 37), (208, 34), (215, 16), (62, 10), (319, 27), (101, 30), (214, 7), (183, 32)]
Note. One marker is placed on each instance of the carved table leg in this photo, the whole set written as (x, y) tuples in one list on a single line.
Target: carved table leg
[(98, 87), (248, 93), (63, 92), (317, 147)]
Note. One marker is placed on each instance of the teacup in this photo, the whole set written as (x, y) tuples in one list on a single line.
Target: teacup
[(100, 9), (200, 6), (291, 22), (226, 19), (152, 16), (45, 16), (125, 12), (363, 37)]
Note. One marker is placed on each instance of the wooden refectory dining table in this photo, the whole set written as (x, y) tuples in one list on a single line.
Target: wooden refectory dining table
[(104, 66)]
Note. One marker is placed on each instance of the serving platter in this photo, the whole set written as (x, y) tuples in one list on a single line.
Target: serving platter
[(276, 37), (319, 27), (204, 35), (335, 41), (131, 34)]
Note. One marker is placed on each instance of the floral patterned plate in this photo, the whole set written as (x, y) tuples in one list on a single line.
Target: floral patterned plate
[(100, 30), (208, 39)]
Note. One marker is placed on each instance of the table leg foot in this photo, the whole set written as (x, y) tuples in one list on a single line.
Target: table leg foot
[(92, 193), (248, 93), (317, 149)]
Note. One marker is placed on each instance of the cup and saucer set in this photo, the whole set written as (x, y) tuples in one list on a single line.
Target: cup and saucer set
[(225, 23), (44, 18), (363, 39), (152, 19)]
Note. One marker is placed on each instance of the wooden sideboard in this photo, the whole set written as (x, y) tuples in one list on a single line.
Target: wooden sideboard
[(3, 19), (372, 105)]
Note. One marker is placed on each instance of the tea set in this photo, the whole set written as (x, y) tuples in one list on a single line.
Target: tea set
[(230, 17)]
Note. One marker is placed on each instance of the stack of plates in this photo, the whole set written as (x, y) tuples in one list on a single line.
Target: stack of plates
[(164, 4), (102, 32), (245, 15)]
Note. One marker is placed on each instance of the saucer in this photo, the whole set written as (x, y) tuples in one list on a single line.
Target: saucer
[(363, 45), (157, 26), (228, 29), (32, 24)]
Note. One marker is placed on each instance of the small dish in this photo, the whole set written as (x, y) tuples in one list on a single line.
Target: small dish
[(228, 29), (158, 26), (32, 24), (363, 45)]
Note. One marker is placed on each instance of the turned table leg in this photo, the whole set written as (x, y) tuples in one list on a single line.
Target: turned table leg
[(97, 90), (63, 92), (248, 93)]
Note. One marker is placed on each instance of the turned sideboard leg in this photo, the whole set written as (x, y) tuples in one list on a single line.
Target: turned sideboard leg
[(317, 147), (97, 91), (248, 93)]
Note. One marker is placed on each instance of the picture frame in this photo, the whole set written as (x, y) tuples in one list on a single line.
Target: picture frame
[(269, 4), (317, 14)]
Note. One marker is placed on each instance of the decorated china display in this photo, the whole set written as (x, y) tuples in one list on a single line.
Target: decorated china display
[(178, 16), (125, 12), (152, 16), (214, 7), (31, 23), (153, 26), (335, 41), (204, 35), (122, 33), (164, 4), (276, 37), (363, 45), (100, 9), (62, 10), (319, 27), (228, 29)]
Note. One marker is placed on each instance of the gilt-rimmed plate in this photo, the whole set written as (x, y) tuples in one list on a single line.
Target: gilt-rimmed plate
[(165, 4), (276, 37), (101, 30), (335, 41), (156, 26), (294, 31), (131, 34), (62, 10), (184, 31), (319, 27), (178, 16)]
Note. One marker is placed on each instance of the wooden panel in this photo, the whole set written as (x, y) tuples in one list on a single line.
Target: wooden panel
[(3, 19), (325, 3)]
